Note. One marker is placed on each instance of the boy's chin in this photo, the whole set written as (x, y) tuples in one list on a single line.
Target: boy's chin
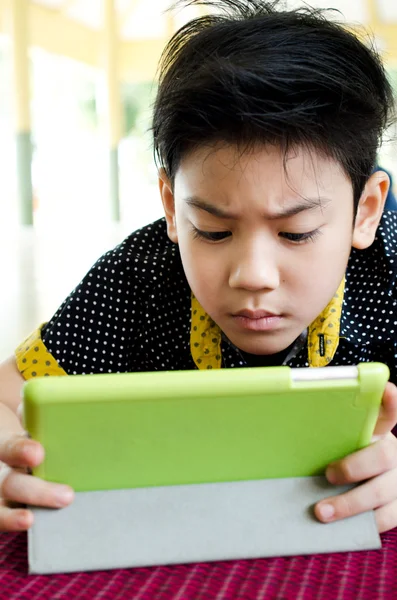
[(262, 347)]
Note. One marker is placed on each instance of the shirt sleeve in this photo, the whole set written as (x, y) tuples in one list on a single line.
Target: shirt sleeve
[(93, 329), (34, 359)]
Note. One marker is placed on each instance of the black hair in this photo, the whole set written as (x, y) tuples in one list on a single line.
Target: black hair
[(255, 74)]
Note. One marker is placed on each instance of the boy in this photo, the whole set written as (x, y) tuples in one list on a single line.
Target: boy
[(274, 248)]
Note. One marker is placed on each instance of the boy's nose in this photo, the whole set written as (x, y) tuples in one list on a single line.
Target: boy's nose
[(254, 271)]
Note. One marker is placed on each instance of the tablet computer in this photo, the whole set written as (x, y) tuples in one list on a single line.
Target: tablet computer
[(117, 431)]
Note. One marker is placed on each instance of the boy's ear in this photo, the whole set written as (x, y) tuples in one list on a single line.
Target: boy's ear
[(167, 198), (370, 209)]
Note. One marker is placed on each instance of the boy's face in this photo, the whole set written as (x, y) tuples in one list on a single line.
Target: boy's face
[(264, 247)]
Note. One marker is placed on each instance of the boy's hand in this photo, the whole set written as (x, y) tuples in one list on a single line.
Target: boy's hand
[(19, 454), (376, 465)]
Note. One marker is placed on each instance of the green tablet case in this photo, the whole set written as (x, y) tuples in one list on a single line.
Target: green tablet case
[(108, 432)]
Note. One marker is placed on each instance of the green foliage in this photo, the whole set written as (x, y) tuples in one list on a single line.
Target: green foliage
[(393, 79), (88, 109), (137, 99)]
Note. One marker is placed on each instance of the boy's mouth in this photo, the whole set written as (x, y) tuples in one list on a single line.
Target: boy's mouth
[(255, 314), (257, 320)]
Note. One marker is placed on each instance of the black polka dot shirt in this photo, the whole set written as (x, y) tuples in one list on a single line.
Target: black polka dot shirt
[(131, 312)]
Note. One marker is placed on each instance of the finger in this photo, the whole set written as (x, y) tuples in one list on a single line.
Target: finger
[(25, 489), (373, 460), (368, 496), (388, 411), (386, 517), (17, 450), (12, 519), (20, 413)]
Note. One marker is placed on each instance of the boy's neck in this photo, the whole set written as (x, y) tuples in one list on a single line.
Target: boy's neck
[(272, 360)]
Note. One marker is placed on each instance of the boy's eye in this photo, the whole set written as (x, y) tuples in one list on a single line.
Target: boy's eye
[(299, 237), (212, 236)]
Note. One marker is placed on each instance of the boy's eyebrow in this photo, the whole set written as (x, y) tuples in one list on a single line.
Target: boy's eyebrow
[(308, 204)]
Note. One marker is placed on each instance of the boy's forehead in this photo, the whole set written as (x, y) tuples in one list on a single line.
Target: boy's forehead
[(226, 170)]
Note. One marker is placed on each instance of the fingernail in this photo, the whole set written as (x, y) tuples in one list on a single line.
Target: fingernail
[(64, 496), (23, 520), (326, 511), (331, 475), (31, 451)]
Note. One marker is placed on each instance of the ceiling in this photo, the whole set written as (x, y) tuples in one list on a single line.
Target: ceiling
[(75, 28), (137, 19), (147, 18)]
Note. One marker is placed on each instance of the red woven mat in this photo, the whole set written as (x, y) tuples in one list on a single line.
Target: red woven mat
[(351, 576)]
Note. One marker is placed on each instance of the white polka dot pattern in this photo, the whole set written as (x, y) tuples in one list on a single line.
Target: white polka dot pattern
[(131, 312)]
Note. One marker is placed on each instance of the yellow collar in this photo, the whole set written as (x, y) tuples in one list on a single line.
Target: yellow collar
[(322, 339)]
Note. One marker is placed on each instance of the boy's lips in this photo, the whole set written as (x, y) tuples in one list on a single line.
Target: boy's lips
[(257, 320), (255, 314)]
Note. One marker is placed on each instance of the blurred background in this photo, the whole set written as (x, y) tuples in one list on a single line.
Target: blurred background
[(77, 82)]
